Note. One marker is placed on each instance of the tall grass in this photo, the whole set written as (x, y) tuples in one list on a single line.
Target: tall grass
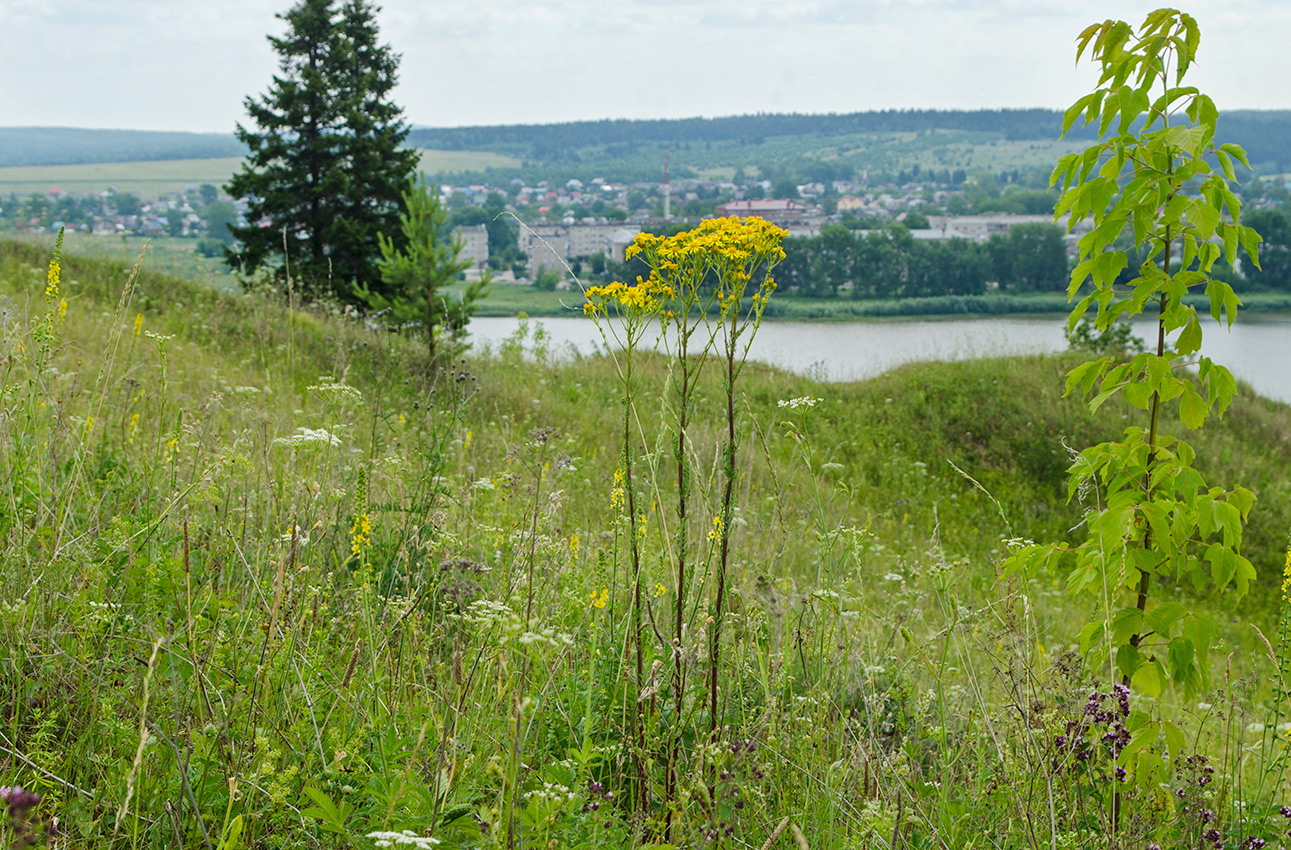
[(270, 580)]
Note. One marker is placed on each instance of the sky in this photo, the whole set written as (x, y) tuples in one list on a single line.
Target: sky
[(186, 65)]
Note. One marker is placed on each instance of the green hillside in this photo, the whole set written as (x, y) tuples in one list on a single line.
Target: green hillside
[(270, 579)]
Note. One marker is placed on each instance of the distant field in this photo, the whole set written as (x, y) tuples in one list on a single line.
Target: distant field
[(153, 178), (173, 256), (146, 179), (448, 162)]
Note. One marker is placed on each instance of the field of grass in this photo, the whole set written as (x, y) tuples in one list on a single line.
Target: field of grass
[(152, 179), (170, 255), (454, 162), (146, 179), (273, 580)]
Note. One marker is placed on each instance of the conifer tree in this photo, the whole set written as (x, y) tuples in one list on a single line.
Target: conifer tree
[(326, 167)]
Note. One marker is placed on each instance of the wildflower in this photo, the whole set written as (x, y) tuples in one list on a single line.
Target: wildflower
[(307, 436), (805, 402), (598, 598), (55, 273), (1286, 578), (407, 837), (360, 533), (138, 323), (573, 543), (716, 531)]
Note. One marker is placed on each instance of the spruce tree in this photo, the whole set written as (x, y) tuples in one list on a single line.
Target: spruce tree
[(326, 167)]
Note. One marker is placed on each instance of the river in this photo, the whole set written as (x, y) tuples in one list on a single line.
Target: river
[(1256, 350)]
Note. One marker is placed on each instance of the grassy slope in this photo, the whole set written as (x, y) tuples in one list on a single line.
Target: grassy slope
[(115, 536)]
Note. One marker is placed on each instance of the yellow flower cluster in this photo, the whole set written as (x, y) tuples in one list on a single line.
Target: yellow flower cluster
[(1286, 578), (732, 247), (360, 534), (616, 492), (642, 297), (55, 274), (598, 598)]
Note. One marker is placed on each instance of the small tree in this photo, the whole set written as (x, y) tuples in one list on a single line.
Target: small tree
[(326, 163), (1152, 182), (415, 275)]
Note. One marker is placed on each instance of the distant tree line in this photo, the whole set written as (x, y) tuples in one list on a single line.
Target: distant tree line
[(69, 146), (891, 263), (525, 139)]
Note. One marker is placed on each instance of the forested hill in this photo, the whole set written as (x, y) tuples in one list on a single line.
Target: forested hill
[(527, 139), (1266, 135), (72, 145)]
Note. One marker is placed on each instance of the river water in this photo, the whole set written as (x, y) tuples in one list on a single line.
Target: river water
[(1256, 350)]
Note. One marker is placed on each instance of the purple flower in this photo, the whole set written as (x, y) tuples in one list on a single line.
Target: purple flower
[(17, 799)]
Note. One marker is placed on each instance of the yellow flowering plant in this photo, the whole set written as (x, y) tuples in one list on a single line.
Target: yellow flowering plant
[(707, 270)]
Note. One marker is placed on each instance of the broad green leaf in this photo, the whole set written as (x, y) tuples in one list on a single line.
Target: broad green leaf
[(1138, 394), (1236, 152), (1126, 623), (1128, 659), (1189, 341), (1090, 633), (1181, 656), (1204, 217), (1226, 163), (1175, 740), (1140, 739), (1192, 409), (1161, 618), (1147, 680)]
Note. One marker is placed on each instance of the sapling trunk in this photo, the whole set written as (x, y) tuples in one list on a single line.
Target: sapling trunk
[(1145, 578)]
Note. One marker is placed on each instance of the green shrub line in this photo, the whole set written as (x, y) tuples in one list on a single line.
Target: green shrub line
[(791, 308)]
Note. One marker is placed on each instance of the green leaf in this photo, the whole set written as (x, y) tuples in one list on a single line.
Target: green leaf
[(1147, 680), (1073, 111), (232, 838), (1192, 409), (1139, 740), (1161, 618), (1138, 394), (1236, 152), (1226, 164), (1128, 659), (1181, 656), (1089, 634), (1126, 623), (1204, 217), (1189, 341)]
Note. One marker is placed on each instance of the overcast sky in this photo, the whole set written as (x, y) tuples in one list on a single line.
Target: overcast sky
[(188, 64)]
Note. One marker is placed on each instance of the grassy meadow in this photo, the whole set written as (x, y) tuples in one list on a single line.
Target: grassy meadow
[(155, 178), (272, 579)]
